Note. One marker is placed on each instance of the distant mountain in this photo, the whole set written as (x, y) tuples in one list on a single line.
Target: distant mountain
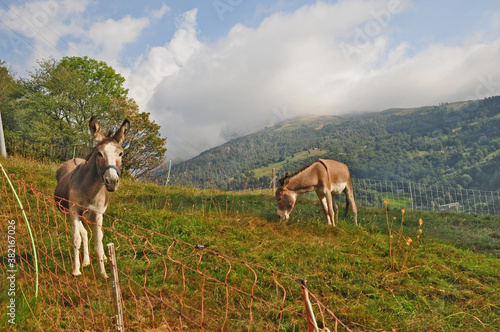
[(453, 144)]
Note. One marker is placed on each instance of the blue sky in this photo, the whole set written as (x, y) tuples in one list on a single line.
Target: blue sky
[(210, 70)]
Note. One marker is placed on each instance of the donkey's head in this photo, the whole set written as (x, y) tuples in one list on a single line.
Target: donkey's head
[(109, 153), (285, 198)]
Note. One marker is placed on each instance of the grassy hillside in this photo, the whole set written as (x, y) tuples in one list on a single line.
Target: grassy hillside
[(447, 279), (453, 145)]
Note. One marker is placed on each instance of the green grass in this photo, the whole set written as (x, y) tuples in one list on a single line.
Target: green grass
[(446, 280), (397, 201), (267, 170)]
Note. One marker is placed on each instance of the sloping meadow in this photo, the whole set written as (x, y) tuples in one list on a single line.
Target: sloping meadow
[(397, 270)]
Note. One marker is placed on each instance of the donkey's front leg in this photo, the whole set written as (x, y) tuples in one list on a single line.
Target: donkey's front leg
[(331, 207), (85, 241), (98, 247), (324, 204), (77, 242)]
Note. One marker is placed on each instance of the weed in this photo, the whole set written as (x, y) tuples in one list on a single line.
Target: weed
[(401, 246)]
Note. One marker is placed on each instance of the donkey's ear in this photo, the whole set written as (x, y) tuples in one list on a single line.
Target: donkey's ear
[(96, 130), (287, 179), (122, 132)]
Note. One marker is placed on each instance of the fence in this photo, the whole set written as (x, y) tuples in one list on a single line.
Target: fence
[(368, 192), (45, 151), (421, 197), (167, 284)]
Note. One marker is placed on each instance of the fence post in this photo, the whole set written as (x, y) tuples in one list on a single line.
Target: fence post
[(3, 149), (411, 196), (117, 296), (169, 167), (274, 181), (311, 320)]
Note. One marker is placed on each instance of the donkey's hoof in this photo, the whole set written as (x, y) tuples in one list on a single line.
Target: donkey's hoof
[(104, 275), (86, 262), (76, 273)]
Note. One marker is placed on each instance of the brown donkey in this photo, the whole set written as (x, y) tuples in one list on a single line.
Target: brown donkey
[(83, 186), (326, 177)]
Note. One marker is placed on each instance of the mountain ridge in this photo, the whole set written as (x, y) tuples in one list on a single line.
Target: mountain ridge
[(449, 144)]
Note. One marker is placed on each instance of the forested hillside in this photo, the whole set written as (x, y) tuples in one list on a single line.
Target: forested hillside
[(454, 144)]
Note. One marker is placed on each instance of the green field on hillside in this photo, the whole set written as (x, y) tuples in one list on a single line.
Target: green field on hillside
[(444, 279), (267, 170)]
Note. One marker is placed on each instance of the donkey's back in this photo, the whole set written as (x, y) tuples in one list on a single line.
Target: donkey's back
[(68, 167), (63, 176)]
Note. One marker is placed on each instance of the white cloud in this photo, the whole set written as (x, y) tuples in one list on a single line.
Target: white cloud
[(110, 37), (50, 28), (290, 65), (164, 61), (159, 13), (319, 59), (38, 28), (297, 64)]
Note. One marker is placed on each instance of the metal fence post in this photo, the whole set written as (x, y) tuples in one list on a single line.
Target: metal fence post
[(274, 181), (3, 149), (311, 320), (117, 295)]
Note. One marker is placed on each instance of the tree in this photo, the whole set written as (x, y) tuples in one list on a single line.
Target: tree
[(144, 148), (66, 94), (8, 91)]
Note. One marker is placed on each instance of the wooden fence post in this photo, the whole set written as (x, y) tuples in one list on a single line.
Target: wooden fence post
[(116, 293)]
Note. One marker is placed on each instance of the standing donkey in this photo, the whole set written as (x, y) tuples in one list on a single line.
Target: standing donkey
[(83, 186), (326, 177)]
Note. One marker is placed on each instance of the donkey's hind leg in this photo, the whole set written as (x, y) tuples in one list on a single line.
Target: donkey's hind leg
[(335, 209), (352, 204)]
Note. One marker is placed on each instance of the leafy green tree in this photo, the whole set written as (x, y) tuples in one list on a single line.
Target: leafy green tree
[(144, 148), (61, 96), (8, 91)]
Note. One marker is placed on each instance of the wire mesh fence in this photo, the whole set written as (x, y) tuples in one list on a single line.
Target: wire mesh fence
[(368, 192), (167, 284), (421, 197), (45, 152)]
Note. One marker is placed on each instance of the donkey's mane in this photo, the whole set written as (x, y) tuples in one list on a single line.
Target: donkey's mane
[(282, 180)]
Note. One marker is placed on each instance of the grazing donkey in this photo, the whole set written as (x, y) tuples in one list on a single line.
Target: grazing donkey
[(83, 186), (326, 177)]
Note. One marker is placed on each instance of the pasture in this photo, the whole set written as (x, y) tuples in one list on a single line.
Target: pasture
[(371, 277)]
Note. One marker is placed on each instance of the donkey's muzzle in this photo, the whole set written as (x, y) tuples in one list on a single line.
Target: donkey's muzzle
[(111, 178), (283, 215)]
